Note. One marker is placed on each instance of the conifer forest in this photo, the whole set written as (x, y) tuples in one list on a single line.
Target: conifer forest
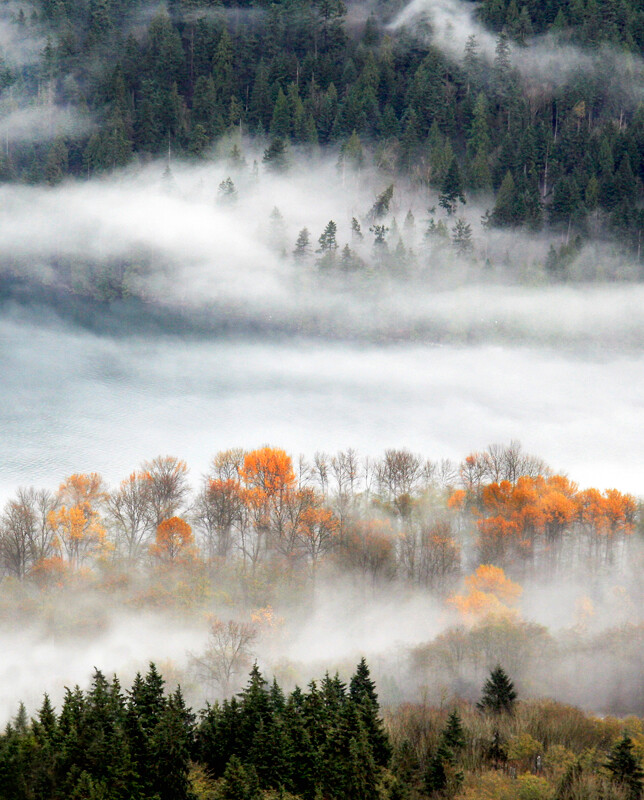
[(321, 400)]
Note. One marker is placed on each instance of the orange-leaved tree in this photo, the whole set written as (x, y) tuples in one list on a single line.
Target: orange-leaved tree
[(514, 517), (173, 542), (77, 526), (317, 527), (269, 485), (489, 593)]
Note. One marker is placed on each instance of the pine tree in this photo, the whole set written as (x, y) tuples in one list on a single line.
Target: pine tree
[(497, 752), (443, 775), (351, 152), (226, 193), (507, 211), (327, 241), (275, 156), (281, 121), (454, 735), (462, 237), (171, 746), (362, 692), (498, 695), (452, 188), (236, 785), (381, 207), (302, 249), (625, 768)]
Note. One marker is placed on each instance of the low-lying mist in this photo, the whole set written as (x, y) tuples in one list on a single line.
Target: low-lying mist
[(215, 336), (417, 646), (144, 314)]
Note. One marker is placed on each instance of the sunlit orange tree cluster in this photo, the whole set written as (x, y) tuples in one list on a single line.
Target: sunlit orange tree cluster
[(488, 593), (546, 516)]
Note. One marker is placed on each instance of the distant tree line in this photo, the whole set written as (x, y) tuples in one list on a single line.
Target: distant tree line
[(399, 516)]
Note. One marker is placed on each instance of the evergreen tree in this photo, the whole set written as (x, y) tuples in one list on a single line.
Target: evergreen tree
[(498, 694), (443, 775), (227, 193), (497, 752), (507, 209), (275, 156), (302, 249), (454, 735), (281, 121), (462, 237), (381, 207), (452, 188), (362, 692), (625, 768), (328, 243)]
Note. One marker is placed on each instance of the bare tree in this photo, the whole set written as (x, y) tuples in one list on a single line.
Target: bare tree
[(25, 533), (398, 474), (345, 469), (227, 654), (219, 507), (168, 487), (129, 513), (320, 472)]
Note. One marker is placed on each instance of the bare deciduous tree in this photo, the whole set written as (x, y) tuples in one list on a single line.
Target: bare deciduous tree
[(25, 533), (227, 654)]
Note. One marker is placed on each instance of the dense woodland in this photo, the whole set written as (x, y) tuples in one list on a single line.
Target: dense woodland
[(326, 742), (565, 151)]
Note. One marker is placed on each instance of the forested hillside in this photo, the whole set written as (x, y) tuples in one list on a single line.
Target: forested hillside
[(298, 562), (328, 741), (535, 115)]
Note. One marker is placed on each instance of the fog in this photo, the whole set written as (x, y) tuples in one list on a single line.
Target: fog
[(232, 343), (75, 401), (449, 24), (222, 340)]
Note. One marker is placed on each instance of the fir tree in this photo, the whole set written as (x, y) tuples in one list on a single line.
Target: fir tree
[(498, 695), (362, 692), (625, 768), (302, 249), (497, 752), (462, 237), (454, 735), (356, 231), (381, 207), (452, 188), (275, 155), (227, 193), (328, 242)]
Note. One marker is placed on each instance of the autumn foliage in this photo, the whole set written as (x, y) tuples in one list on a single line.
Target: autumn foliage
[(488, 593), (517, 519), (402, 518), (173, 541)]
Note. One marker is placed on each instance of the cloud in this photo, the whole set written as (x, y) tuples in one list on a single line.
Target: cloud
[(449, 23), (31, 123)]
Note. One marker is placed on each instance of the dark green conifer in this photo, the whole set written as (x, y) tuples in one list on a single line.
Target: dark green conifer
[(498, 695)]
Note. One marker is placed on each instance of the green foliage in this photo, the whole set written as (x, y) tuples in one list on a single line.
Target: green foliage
[(625, 768), (498, 694), (292, 72)]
